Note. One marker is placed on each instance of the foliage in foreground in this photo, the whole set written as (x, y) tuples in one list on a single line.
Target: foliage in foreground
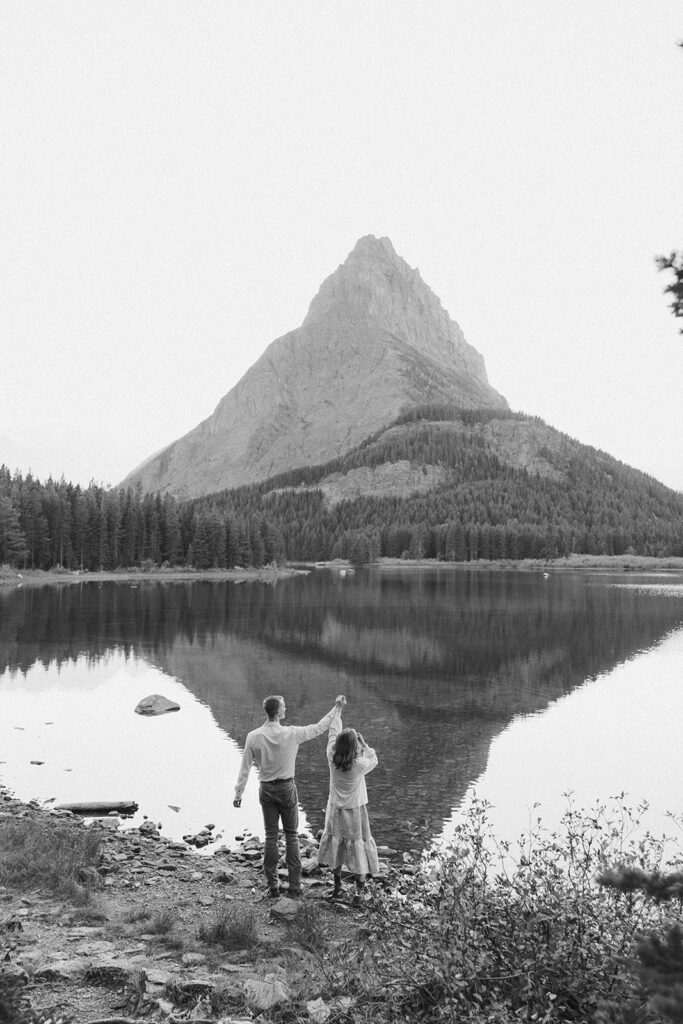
[(55, 857), (14, 1005), (660, 956), (498, 934)]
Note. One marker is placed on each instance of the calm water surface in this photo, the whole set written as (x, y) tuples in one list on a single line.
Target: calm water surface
[(508, 684)]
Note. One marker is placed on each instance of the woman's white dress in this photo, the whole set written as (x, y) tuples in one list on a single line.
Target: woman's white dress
[(346, 840)]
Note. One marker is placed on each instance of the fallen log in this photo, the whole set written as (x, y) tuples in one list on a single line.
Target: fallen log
[(100, 809)]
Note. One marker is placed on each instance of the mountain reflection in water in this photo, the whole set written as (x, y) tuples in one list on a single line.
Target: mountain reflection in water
[(435, 663)]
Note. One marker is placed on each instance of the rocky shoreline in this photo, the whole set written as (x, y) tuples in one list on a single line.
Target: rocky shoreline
[(138, 948)]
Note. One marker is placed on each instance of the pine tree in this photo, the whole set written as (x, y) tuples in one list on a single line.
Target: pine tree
[(202, 555), (12, 546), (674, 262), (660, 956)]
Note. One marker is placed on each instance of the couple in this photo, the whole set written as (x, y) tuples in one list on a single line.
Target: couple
[(346, 839)]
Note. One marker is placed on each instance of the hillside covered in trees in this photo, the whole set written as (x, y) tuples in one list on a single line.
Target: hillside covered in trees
[(485, 484)]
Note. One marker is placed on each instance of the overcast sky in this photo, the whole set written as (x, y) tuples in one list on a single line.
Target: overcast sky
[(177, 179)]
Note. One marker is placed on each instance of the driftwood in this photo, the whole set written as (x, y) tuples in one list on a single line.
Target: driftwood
[(100, 810)]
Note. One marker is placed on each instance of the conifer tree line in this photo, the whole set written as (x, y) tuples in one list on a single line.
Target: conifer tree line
[(44, 526), (483, 509)]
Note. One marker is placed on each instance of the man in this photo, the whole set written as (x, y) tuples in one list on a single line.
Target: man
[(273, 749)]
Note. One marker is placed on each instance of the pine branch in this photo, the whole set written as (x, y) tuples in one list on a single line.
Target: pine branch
[(657, 886)]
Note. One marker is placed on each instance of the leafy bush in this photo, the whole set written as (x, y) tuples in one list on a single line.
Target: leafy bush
[(498, 933), (310, 928)]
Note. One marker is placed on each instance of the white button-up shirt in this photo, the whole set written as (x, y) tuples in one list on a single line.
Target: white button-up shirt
[(273, 749)]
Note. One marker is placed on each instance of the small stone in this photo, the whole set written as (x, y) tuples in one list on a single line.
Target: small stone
[(193, 959), (96, 948), (65, 970), (318, 1010), (263, 995), (224, 877), (285, 909)]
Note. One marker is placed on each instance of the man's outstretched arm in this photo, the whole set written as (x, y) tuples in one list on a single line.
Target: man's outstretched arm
[(302, 733)]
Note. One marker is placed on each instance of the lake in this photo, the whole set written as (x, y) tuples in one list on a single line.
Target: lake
[(518, 686)]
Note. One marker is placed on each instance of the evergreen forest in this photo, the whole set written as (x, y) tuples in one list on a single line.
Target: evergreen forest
[(484, 507)]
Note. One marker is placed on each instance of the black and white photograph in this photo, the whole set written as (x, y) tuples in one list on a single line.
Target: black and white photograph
[(341, 512)]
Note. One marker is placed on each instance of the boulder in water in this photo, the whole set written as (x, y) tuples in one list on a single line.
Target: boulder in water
[(155, 704)]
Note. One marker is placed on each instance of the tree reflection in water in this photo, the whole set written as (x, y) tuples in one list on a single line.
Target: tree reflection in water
[(435, 662)]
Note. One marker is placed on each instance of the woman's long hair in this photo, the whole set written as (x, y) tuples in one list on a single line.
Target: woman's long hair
[(345, 749)]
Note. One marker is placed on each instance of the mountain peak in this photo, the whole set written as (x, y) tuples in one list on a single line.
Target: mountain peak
[(373, 246), (375, 285), (376, 342)]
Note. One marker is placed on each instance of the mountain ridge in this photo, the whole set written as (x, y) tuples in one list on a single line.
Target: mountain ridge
[(461, 485)]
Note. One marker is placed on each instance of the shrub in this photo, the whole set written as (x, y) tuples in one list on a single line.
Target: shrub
[(135, 914), (14, 1004), (162, 922), (498, 933), (60, 858), (231, 928)]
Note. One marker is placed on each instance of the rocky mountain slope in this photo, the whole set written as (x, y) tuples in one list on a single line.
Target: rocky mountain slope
[(460, 485), (376, 341)]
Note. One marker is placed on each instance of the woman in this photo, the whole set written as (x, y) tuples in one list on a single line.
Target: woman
[(346, 840)]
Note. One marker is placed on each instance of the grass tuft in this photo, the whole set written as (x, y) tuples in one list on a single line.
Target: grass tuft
[(162, 923), (135, 914), (55, 857), (230, 928)]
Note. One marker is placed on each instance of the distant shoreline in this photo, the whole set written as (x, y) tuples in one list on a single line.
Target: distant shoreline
[(31, 577), (612, 563), (270, 574)]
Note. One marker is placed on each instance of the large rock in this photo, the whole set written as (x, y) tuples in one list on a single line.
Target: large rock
[(156, 704), (376, 341)]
